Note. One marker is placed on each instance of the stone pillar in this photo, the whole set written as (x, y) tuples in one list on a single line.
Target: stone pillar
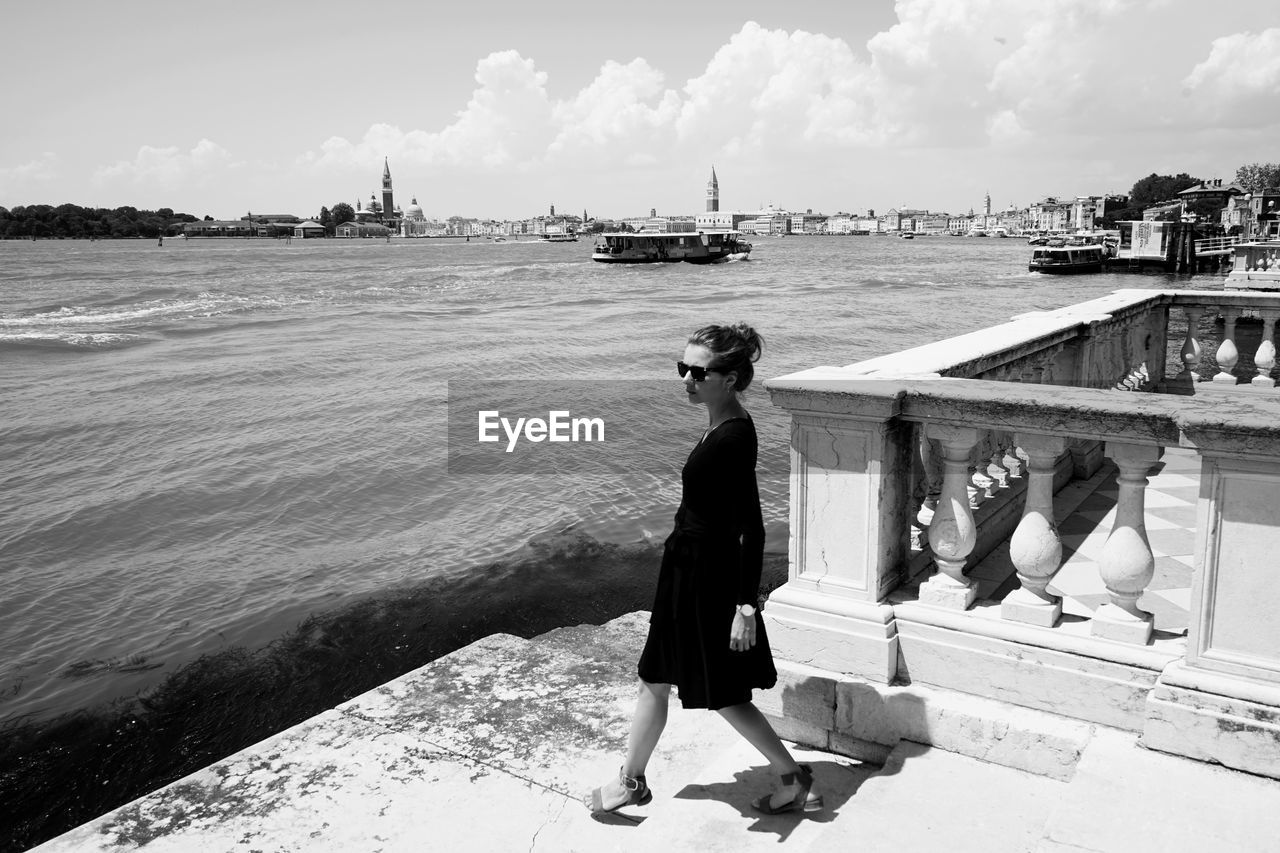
[(1035, 547), (1126, 563), (952, 534), (1265, 359), (1227, 355), (1223, 703), (850, 502)]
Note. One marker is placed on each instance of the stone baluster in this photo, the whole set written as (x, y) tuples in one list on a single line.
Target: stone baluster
[(1265, 359), (1191, 344), (1012, 462), (1228, 355), (996, 469), (982, 479), (1035, 547), (981, 487), (930, 485), (952, 532), (1126, 563), (1184, 381)]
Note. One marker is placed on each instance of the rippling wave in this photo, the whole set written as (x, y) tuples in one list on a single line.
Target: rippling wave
[(254, 432)]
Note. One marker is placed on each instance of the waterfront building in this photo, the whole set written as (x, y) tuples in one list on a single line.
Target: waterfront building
[(668, 225), (933, 223), (721, 220), (900, 219), (220, 228), (389, 212), (362, 227), (840, 223), (1050, 214), (1256, 215), (1088, 210), (381, 212), (1213, 191), (414, 223), (1011, 221), (808, 223), (1084, 212), (308, 229)]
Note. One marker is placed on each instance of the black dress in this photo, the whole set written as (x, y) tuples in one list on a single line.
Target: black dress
[(710, 565)]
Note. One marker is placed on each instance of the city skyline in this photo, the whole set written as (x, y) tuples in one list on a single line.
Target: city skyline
[(501, 111)]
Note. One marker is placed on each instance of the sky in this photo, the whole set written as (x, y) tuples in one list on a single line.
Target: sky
[(501, 109)]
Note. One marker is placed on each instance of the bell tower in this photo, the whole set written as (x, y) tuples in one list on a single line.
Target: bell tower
[(713, 193), (387, 206)]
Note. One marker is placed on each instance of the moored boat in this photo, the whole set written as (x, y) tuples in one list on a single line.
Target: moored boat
[(1067, 260), (694, 247), (560, 238)]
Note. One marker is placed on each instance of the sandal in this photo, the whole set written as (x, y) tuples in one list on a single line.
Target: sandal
[(804, 800), (638, 794)]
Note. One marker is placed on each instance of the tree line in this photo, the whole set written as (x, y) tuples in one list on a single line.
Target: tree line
[(71, 221)]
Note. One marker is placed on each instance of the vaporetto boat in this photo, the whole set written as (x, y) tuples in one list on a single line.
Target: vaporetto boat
[(1080, 253), (694, 247)]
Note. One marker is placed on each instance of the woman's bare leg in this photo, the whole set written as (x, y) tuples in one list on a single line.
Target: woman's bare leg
[(647, 723), (752, 725)]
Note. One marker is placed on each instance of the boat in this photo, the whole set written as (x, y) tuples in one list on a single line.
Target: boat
[(694, 247), (559, 238), (1061, 258), (499, 239), (907, 235)]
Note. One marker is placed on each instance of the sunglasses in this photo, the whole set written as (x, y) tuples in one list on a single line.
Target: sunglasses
[(699, 373)]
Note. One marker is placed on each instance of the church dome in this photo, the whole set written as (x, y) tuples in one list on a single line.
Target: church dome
[(414, 210)]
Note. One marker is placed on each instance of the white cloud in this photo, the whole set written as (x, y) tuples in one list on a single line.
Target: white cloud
[(771, 88), (1240, 78), (169, 167), (506, 123), (625, 105), (40, 170), (977, 81)]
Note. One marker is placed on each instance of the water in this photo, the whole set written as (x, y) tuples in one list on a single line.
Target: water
[(205, 442)]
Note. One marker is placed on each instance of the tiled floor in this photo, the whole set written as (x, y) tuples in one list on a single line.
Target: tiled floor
[(1085, 524)]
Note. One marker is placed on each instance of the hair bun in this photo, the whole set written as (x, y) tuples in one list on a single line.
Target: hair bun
[(750, 338)]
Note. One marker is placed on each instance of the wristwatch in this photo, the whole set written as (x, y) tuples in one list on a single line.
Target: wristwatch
[(747, 610)]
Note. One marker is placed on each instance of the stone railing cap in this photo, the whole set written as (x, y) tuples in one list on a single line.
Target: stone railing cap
[(1244, 423)]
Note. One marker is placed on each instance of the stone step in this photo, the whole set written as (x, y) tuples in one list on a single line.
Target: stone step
[(493, 748)]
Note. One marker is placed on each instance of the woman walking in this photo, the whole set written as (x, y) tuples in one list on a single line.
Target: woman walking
[(706, 635)]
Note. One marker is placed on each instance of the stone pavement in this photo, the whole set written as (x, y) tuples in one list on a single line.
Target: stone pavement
[(491, 748)]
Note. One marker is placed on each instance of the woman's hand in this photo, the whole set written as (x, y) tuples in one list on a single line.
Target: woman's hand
[(742, 635)]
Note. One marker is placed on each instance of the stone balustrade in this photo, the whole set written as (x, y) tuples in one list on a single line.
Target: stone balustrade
[(909, 468), (1256, 266)]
